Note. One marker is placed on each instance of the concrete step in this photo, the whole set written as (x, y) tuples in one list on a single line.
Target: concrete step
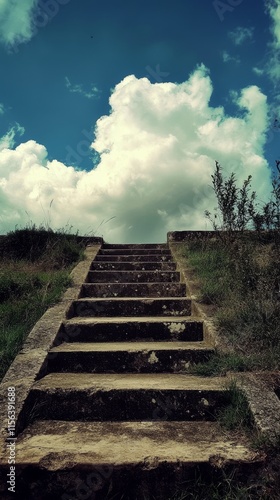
[(123, 397), (131, 357), (132, 266), (131, 251), (135, 247), (134, 258), (72, 460), (186, 329), (169, 289), (130, 307), (132, 276)]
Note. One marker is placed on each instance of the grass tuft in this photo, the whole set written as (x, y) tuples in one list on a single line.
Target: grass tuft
[(236, 413)]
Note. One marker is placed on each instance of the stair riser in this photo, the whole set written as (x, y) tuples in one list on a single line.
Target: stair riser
[(129, 251), (132, 332), (133, 258), (134, 290), (136, 307), (132, 276), (141, 481), (133, 266), (120, 362), (126, 405)]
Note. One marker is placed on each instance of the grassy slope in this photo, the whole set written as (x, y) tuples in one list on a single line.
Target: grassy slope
[(241, 280), (35, 267)]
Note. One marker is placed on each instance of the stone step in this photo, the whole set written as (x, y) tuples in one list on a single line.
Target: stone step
[(131, 251), (132, 357), (130, 307), (132, 276), (134, 258), (169, 289), (123, 397), (135, 247), (132, 266), (84, 460), (183, 329)]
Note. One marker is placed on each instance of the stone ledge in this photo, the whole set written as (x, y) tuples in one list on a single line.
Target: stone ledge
[(264, 403)]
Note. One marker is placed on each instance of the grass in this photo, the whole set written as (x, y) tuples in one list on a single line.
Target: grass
[(220, 364), (236, 412), (241, 281), (35, 266)]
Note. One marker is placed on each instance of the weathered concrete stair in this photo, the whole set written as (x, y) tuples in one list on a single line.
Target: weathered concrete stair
[(122, 357), (113, 399)]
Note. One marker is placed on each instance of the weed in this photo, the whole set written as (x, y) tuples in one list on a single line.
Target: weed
[(234, 204), (237, 209)]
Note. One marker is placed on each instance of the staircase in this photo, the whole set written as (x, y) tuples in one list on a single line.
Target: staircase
[(114, 409)]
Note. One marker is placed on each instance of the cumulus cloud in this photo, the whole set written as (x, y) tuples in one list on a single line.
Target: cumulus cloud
[(158, 148), (241, 34), (16, 21), (79, 89), (273, 66)]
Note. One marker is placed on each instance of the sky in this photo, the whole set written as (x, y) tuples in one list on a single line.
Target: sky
[(113, 113)]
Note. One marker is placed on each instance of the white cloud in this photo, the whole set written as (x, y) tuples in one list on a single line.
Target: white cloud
[(78, 88), (241, 34), (16, 21), (2, 109), (8, 140), (158, 149), (258, 71), (273, 66), (228, 58), (274, 10)]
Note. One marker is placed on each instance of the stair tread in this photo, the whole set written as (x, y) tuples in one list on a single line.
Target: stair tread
[(133, 271), (55, 444), (133, 299), (136, 283), (129, 381), (131, 346), (133, 319)]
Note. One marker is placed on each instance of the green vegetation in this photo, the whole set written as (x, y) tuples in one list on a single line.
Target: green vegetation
[(242, 281), (238, 208), (239, 274), (236, 413), (34, 272), (220, 364)]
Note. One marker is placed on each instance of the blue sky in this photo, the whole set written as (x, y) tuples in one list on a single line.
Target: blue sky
[(81, 81)]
